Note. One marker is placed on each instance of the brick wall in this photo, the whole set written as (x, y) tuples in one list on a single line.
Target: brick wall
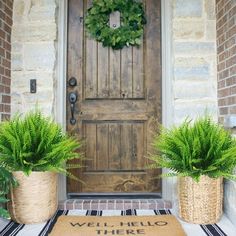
[(5, 57), (226, 47)]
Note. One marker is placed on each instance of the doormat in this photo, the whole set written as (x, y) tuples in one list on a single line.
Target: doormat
[(162, 225), (9, 227)]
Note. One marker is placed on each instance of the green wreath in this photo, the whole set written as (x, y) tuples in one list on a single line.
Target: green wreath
[(132, 23)]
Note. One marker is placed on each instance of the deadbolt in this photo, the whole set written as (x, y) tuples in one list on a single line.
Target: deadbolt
[(72, 82)]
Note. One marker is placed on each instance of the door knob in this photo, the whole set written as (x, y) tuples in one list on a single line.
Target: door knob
[(72, 97), (72, 100)]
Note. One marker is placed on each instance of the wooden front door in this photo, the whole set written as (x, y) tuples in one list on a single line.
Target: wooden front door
[(118, 97)]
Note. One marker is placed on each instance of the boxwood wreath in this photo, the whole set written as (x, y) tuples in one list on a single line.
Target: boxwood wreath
[(132, 23)]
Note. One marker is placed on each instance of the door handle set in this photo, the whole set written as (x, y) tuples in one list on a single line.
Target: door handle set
[(72, 100), (73, 97)]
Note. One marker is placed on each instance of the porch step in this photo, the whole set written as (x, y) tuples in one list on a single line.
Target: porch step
[(114, 204)]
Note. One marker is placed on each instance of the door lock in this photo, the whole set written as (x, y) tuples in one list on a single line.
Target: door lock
[(72, 82)]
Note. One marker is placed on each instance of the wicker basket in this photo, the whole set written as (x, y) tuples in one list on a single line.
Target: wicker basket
[(35, 199), (200, 203)]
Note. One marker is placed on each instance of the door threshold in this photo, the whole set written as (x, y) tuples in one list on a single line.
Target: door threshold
[(114, 196), (107, 203)]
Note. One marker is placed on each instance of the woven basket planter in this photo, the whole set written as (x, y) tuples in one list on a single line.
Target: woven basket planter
[(200, 203), (35, 199)]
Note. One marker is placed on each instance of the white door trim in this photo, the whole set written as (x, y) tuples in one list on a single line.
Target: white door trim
[(168, 185), (61, 73)]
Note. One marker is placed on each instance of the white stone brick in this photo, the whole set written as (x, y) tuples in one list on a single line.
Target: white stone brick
[(191, 69), (20, 10), (194, 108), (34, 10), (20, 88), (188, 8), (188, 29), (193, 90), (44, 11), (16, 47), (21, 108), (211, 30), (42, 95), (229, 200), (210, 9), (24, 101), (45, 3), (34, 32), (22, 80), (39, 56), (47, 109), (24, 97), (16, 62), (195, 48)]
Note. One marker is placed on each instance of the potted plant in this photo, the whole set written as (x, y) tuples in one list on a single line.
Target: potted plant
[(201, 154), (6, 182), (34, 148)]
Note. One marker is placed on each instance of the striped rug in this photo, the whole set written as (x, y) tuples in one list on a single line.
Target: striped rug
[(9, 228)]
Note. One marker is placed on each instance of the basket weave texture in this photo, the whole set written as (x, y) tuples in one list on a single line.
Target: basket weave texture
[(200, 202), (35, 199)]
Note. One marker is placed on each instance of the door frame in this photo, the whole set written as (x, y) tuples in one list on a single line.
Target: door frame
[(168, 185)]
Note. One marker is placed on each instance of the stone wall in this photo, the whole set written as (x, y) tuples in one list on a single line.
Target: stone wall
[(226, 48), (194, 84), (34, 34), (194, 48), (5, 57)]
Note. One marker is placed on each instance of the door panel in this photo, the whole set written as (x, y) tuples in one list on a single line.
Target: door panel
[(119, 98), (114, 146)]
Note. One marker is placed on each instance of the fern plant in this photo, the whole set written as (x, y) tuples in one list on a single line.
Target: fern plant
[(194, 149), (36, 143), (6, 182)]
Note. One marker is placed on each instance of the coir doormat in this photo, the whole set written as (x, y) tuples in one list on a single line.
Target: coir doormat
[(162, 225)]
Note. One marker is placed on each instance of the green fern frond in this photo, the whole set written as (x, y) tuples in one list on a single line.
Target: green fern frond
[(6, 182), (196, 148), (35, 143)]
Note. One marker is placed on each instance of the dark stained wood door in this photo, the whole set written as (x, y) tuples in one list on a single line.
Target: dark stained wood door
[(119, 96)]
